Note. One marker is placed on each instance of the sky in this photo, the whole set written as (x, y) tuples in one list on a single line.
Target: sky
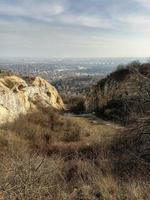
[(74, 28)]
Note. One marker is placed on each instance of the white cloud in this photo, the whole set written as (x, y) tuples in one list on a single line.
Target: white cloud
[(46, 9), (127, 31), (37, 11), (11, 10), (22, 39), (48, 12), (85, 20), (136, 22), (144, 3)]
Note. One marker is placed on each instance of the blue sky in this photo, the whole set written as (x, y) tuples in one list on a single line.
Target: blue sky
[(74, 28)]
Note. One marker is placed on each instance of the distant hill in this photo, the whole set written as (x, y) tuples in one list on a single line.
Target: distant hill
[(76, 85)]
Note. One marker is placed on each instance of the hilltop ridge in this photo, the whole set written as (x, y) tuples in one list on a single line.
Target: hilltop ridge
[(117, 96)]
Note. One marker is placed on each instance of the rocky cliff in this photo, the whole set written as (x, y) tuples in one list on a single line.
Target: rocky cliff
[(119, 89), (21, 95)]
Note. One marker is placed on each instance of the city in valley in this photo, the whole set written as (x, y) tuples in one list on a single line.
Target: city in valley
[(69, 76)]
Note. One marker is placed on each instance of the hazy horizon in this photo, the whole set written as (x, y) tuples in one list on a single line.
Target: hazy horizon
[(134, 58)]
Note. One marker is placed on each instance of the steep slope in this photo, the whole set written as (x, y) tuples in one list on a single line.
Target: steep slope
[(18, 96), (124, 96), (115, 95)]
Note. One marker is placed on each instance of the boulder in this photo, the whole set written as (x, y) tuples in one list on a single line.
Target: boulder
[(22, 95)]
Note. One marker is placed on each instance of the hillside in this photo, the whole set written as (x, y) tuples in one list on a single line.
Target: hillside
[(45, 155), (51, 155), (124, 97), (122, 94), (76, 85)]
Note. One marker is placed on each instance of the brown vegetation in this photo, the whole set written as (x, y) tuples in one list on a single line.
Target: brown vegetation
[(74, 104), (46, 155), (49, 155), (122, 95)]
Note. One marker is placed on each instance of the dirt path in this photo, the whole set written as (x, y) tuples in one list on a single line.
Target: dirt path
[(98, 129), (93, 121)]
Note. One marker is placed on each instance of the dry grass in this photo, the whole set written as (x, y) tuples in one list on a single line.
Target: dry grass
[(46, 155)]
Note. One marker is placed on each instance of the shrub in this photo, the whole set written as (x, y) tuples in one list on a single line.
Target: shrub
[(71, 137), (75, 104)]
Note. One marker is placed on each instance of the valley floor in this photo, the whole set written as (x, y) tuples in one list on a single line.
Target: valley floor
[(97, 128)]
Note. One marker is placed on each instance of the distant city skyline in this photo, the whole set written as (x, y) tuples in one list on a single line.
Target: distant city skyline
[(74, 28)]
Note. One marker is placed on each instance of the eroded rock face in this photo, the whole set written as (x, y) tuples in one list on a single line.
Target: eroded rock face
[(19, 96)]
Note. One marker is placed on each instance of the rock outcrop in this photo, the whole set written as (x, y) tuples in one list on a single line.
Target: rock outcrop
[(21, 95)]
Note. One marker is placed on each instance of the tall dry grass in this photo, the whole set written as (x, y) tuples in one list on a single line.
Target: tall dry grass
[(46, 155)]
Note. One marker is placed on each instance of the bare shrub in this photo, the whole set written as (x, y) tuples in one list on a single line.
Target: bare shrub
[(31, 176), (71, 137)]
